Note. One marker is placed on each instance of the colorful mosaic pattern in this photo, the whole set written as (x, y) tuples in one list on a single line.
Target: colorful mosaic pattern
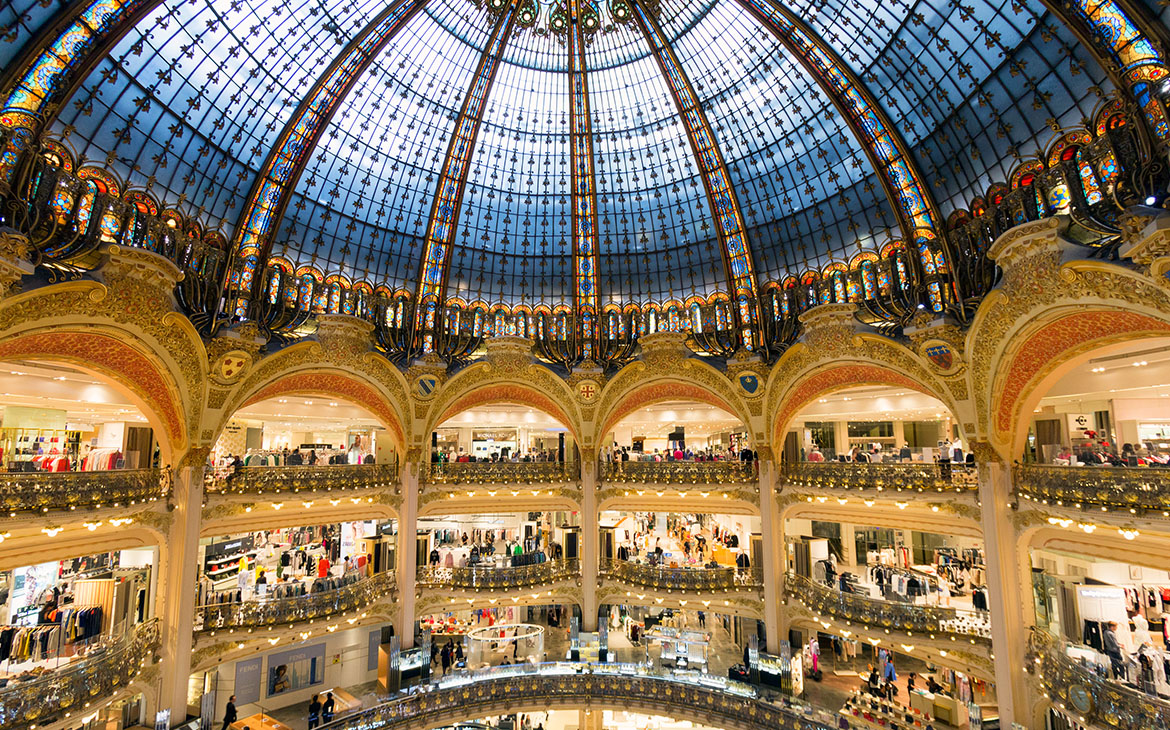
[(441, 229), (724, 205), (341, 386), (44, 79), (301, 133), (584, 192), (870, 122)]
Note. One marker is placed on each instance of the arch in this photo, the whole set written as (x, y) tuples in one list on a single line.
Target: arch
[(504, 392), (668, 389), (122, 360)]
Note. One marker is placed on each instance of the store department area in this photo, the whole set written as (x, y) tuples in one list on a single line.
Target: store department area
[(497, 540), (679, 540), (501, 432), (675, 431)]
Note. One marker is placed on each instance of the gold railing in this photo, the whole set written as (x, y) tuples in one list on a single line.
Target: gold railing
[(898, 477), (74, 686), (1144, 490), (71, 490), (482, 577), (274, 479), (503, 472), (871, 612), (679, 472), (683, 579), (1085, 694), (276, 611)]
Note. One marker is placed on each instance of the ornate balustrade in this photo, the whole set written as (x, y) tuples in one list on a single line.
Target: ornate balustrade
[(897, 477), (68, 689), (275, 611), (483, 577), (274, 479), (504, 472), (45, 491), (704, 699), (935, 621), (683, 579), (679, 472), (1094, 699), (1141, 490)]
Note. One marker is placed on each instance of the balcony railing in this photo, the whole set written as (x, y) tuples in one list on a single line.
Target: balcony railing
[(70, 688), (871, 612), (679, 472), (705, 699), (1143, 490), (504, 472), (683, 579), (1083, 693), (71, 490), (273, 479), (882, 477), (276, 611), (483, 577)]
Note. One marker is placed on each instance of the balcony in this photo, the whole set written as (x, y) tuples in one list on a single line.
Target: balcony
[(273, 612), (893, 478), (73, 687), (252, 480), (497, 579), (1084, 694), (934, 621), (683, 579), (680, 472), (72, 490), (503, 472), (1132, 490)]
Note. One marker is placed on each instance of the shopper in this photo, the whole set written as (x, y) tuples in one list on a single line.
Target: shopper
[(314, 712), (229, 713), (327, 708), (1113, 651)]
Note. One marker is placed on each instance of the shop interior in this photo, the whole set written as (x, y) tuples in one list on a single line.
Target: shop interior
[(303, 430), (658, 432), (502, 432), (1118, 398), (677, 540), (496, 541), (57, 419), (897, 425), (59, 612)]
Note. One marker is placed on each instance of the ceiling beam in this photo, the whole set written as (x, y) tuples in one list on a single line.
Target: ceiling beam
[(586, 298)]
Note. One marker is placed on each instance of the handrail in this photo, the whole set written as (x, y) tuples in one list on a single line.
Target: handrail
[(821, 599), (274, 479), (38, 702), (1142, 489), (1097, 700), (503, 472), (680, 472), (715, 701), (476, 576), (273, 611), (683, 579), (46, 491), (882, 477)]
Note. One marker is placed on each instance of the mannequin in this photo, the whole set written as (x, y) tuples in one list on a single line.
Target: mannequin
[(1141, 634)]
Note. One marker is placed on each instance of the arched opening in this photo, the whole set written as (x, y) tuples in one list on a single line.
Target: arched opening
[(500, 433)]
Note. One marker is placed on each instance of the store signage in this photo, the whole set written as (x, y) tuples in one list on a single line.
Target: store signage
[(248, 676), (316, 446), (231, 547), (493, 435)]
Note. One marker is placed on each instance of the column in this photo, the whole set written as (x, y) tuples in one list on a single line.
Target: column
[(849, 545), (590, 550), (180, 576), (773, 568), (590, 719), (407, 550), (1006, 597)]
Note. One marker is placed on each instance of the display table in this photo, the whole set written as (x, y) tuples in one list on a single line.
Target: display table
[(922, 701), (950, 710), (260, 722), (342, 701)]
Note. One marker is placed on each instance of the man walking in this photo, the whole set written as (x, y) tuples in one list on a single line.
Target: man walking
[(229, 713)]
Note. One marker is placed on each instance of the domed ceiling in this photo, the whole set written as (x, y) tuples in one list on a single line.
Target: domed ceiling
[(793, 135)]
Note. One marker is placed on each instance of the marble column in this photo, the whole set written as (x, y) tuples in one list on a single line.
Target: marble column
[(407, 552), (590, 550), (181, 574), (772, 531)]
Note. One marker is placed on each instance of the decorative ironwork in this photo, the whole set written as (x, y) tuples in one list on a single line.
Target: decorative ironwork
[(73, 686), (683, 579), (296, 479), (1095, 700), (504, 472), (1144, 491), (498, 579), (680, 472), (968, 624), (910, 477), (272, 612), (45, 492)]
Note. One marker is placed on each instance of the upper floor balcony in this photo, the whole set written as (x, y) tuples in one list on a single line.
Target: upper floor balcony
[(491, 578), (1143, 491), (937, 622), (275, 611), (698, 473), (259, 480), (697, 580), (877, 478), (75, 686), (502, 473), (68, 491)]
